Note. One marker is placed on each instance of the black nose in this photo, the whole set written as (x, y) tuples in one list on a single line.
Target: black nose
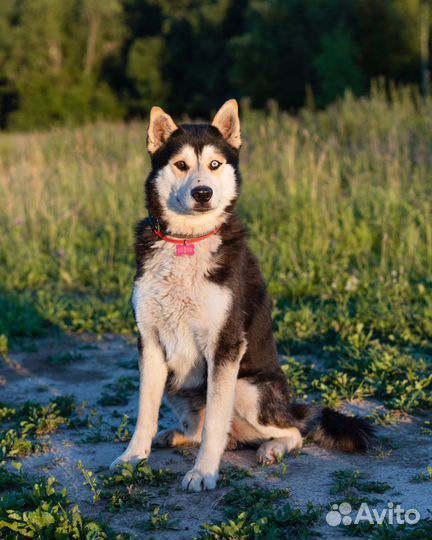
[(202, 194)]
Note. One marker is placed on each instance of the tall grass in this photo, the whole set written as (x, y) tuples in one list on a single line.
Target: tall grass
[(338, 204)]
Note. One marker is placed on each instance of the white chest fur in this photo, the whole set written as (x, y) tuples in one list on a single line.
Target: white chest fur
[(175, 298)]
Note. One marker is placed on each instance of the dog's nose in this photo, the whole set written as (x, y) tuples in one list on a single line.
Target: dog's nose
[(202, 194)]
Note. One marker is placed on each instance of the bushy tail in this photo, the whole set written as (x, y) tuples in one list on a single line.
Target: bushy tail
[(331, 429)]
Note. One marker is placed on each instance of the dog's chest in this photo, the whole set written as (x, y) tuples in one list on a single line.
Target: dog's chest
[(175, 297)]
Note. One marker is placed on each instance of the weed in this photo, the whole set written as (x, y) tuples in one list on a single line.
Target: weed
[(386, 531), (123, 433), (30, 421), (90, 481), (234, 529), (232, 474), (41, 420), (346, 480), (6, 413), (141, 474), (285, 522), (423, 476), (118, 393), (382, 417), (129, 364), (127, 487), (156, 521), (13, 444), (40, 511), (65, 358), (426, 428)]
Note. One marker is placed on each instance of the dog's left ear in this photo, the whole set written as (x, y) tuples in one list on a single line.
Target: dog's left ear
[(227, 121), (161, 127)]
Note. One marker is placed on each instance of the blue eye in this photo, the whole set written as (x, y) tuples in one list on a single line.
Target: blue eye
[(215, 164)]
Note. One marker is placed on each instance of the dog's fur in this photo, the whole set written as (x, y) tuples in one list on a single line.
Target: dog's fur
[(205, 329)]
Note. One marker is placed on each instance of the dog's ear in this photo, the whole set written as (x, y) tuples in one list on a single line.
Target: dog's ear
[(227, 121), (160, 128)]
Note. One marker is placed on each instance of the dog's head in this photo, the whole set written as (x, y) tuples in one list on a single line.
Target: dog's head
[(194, 182)]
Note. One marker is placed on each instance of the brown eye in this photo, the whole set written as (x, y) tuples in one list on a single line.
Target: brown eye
[(181, 165), (215, 164)]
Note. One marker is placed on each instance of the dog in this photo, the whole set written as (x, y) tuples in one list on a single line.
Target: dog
[(203, 314)]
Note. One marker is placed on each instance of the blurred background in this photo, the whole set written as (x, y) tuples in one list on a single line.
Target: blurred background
[(73, 61)]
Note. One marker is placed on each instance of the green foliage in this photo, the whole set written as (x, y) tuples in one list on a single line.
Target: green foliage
[(13, 444), (338, 207), (347, 479), (423, 476), (337, 65), (127, 487), (118, 393), (40, 511), (123, 433), (156, 521), (77, 61), (237, 529), (255, 513), (232, 475), (400, 379), (141, 474), (90, 481), (25, 425), (65, 358), (385, 531)]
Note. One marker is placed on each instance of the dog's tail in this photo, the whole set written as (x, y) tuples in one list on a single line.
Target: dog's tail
[(334, 430)]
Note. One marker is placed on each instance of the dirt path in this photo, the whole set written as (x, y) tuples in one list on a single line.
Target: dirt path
[(84, 367)]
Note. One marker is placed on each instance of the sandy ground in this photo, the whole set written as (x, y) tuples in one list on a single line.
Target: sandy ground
[(29, 376)]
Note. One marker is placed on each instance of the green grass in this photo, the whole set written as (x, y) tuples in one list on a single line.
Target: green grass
[(347, 480), (24, 430), (37, 509), (338, 204), (255, 512)]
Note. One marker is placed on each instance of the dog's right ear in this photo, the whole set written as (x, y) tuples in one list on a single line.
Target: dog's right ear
[(161, 127)]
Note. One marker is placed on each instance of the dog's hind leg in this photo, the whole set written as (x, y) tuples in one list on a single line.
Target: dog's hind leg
[(192, 426), (170, 438), (277, 435), (273, 450)]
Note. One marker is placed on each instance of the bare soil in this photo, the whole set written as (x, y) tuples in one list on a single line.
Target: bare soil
[(28, 375)]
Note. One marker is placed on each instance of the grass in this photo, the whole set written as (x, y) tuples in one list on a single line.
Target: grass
[(254, 513), (338, 206), (346, 480)]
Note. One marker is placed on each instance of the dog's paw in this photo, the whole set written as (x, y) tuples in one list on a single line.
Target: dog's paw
[(270, 452), (130, 456), (195, 480)]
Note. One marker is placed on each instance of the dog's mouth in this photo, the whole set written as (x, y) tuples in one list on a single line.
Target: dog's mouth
[(202, 208), (198, 208)]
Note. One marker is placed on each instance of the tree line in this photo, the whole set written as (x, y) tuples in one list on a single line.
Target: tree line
[(73, 61)]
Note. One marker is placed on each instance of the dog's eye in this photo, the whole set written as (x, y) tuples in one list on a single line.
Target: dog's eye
[(181, 165), (215, 164)]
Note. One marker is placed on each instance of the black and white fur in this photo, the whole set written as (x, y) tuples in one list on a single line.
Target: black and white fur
[(205, 329)]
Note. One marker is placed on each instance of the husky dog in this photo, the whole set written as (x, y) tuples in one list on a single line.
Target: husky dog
[(203, 314)]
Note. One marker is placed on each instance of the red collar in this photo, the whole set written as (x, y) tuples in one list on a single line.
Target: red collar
[(185, 241)]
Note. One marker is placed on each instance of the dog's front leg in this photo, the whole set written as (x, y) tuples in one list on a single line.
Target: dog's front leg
[(153, 375), (221, 384)]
